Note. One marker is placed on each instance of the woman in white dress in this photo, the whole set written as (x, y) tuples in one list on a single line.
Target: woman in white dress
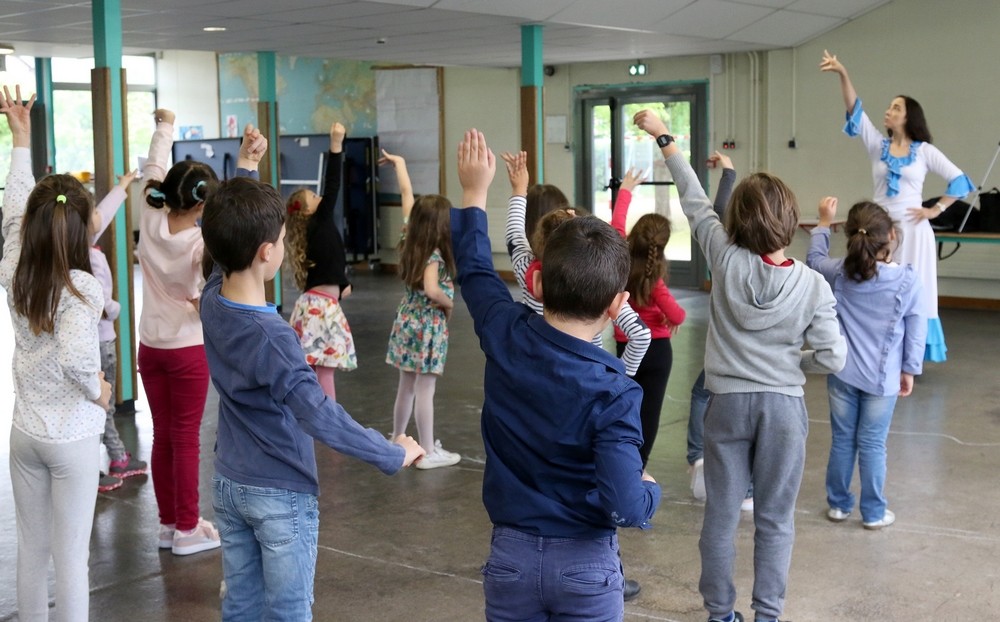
[(899, 165)]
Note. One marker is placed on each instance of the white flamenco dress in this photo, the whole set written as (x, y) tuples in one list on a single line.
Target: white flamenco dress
[(899, 185)]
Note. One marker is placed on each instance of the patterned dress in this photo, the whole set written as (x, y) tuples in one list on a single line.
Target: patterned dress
[(419, 338)]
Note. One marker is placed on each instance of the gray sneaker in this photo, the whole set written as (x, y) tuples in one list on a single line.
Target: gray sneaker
[(887, 519)]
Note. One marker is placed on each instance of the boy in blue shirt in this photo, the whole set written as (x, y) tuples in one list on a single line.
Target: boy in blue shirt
[(271, 407), (560, 418)]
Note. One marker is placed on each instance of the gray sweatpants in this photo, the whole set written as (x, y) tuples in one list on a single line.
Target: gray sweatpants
[(763, 434), (109, 365), (55, 490)]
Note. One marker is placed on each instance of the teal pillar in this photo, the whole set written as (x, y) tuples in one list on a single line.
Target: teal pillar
[(107, 20), (267, 122), (532, 111), (43, 96)]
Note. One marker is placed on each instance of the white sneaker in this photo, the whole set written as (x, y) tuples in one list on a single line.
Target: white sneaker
[(837, 515), (451, 454), (166, 536), (437, 458), (204, 537), (747, 505), (698, 479), (887, 519)]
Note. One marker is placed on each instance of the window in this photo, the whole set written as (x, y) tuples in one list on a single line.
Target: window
[(18, 70), (73, 110)]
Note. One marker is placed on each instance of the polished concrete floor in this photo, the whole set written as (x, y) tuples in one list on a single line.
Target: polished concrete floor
[(409, 547)]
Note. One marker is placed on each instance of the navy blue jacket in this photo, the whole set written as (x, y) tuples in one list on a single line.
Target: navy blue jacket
[(560, 418)]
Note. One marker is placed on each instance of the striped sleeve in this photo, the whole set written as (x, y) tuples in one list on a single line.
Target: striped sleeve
[(638, 335)]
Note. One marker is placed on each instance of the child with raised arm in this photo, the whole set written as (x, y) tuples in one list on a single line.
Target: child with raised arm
[(763, 308), (653, 301), (560, 419), (319, 263), (525, 232), (881, 313), (171, 356), (271, 408), (418, 343), (123, 463), (55, 304)]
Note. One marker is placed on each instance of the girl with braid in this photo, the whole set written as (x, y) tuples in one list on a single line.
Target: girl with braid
[(651, 299)]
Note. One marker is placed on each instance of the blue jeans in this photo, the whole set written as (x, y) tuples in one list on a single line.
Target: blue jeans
[(269, 538), (534, 578), (860, 423), (696, 419)]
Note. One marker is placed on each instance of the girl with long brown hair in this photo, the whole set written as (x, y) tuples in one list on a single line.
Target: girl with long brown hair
[(55, 304), (418, 344)]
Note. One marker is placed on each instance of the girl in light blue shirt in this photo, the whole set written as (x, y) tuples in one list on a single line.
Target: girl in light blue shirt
[(885, 324)]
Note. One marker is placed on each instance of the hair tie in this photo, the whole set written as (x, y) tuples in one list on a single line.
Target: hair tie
[(61, 198), (294, 206), (157, 194), (863, 231), (194, 191)]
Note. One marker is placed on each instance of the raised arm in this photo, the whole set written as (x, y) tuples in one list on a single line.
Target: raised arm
[(334, 172), (638, 335), (159, 146), (726, 182), (818, 256), (252, 150), (403, 179), (108, 207), (619, 213), (831, 64), (20, 181)]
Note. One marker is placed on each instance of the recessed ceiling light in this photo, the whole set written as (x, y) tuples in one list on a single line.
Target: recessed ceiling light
[(214, 28), (6, 48)]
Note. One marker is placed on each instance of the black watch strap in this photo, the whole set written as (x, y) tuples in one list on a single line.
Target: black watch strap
[(663, 140)]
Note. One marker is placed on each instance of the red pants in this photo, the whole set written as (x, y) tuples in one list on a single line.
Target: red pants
[(176, 383)]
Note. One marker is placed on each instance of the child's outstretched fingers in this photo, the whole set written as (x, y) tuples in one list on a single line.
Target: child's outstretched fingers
[(125, 180), (828, 208)]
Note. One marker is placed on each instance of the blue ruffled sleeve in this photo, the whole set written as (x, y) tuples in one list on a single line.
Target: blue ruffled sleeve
[(960, 186), (853, 126)]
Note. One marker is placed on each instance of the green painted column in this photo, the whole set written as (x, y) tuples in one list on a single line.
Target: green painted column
[(532, 104), (107, 20), (267, 121), (43, 96)]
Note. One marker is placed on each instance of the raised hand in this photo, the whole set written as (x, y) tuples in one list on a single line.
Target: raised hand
[(721, 158), (18, 116), (517, 171), (337, 134), (476, 167), (394, 160), (830, 63), (650, 122), (162, 115), (124, 181), (633, 177), (827, 211), (253, 147)]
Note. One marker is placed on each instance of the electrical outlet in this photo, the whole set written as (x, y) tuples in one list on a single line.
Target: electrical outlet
[(791, 144)]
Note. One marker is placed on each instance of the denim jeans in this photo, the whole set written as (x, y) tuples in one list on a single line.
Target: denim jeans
[(533, 578), (860, 423), (269, 538), (696, 419)]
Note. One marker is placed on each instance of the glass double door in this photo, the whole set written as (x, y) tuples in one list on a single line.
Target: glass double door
[(613, 144)]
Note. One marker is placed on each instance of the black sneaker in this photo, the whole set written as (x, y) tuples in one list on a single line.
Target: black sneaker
[(632, 589)]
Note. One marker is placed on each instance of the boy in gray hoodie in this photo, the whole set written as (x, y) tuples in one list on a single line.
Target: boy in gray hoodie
[(763, 309)]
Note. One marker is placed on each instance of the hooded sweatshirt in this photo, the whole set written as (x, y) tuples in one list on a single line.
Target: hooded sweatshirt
[(768, 325)]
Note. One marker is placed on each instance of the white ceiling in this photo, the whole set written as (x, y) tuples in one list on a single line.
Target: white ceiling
[(437, 32)]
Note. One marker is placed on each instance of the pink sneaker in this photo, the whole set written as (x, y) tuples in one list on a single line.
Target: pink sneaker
[(127, 467), (166, 536), (204, 537)]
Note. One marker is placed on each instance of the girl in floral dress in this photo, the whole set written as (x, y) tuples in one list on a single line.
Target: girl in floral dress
[(317, 257), (418, 344)]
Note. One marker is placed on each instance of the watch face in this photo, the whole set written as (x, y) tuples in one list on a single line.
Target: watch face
[(664, 139)]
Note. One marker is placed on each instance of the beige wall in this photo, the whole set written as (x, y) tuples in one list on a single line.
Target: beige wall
[(933, 51)]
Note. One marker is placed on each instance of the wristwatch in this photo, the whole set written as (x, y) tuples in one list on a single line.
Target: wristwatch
[(663, 140)]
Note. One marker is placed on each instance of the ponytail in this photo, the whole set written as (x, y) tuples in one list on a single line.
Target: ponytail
[(869, 232), (646, 243), (187, 184)]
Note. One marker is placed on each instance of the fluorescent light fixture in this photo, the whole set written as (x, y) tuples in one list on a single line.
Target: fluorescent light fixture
[(6, 48), (214, 28)]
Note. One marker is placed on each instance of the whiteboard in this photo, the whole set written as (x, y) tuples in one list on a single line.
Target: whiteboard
[(408, 110)]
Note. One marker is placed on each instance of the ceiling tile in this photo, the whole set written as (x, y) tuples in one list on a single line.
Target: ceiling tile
[(713, 19), (786, 28), (850, 9), (602, 13)]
